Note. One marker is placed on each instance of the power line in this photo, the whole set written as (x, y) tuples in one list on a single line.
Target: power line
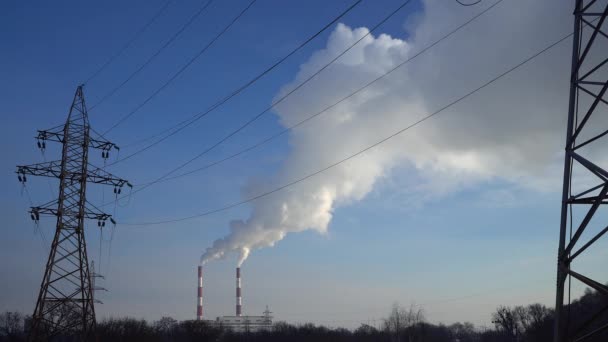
[(131, 41), (108, 267), (290, 128), (400, 131), (158, 51), (468, 4), (187, 122), (276, 135), (37, 228), (182, 69), (287, 129), (250, 121)]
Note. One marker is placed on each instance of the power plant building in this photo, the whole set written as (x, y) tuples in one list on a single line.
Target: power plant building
[(239, 322), (246, 323)]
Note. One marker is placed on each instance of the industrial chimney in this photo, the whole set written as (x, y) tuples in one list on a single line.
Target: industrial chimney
[(199, 304), (238, 292)]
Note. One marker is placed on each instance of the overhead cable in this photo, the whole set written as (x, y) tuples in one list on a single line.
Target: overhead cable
[(130, 42), (181, 70), (381, 141), (275, 103), (196, 14), (326, 109), (189, 121)]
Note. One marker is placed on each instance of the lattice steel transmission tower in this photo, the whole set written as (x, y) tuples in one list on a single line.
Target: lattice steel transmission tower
[(65, 305), (582, 196)]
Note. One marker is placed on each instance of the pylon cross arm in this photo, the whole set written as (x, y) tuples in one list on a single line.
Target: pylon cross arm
[(53, 169), (88, 213), (56, 135)]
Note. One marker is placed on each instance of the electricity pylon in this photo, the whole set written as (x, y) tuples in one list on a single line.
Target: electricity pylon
[(65, 306), (586, 128)]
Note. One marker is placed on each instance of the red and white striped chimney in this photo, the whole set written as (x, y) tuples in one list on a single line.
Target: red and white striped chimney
[(199, 304), (238, 292)]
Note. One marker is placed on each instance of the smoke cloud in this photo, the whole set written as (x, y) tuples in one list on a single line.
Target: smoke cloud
[(512, 131)]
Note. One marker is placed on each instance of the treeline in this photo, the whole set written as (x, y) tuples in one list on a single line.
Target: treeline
[(520, 323)]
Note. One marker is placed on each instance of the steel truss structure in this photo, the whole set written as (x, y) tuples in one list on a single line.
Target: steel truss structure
[(65, 305), (583, 170)]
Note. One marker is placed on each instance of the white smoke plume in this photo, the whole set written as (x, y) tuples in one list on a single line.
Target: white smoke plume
[(484, 138)]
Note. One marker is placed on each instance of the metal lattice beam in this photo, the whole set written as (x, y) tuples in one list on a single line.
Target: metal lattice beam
[(588, 87), (65, 305)]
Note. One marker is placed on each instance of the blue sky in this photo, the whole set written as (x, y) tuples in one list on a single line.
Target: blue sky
[(458, 252)]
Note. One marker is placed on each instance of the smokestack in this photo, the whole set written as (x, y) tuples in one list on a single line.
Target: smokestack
[(238, 292), (199, 304)]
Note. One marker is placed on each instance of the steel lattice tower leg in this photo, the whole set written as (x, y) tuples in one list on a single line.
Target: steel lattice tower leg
[(588, 85), (65, 305)]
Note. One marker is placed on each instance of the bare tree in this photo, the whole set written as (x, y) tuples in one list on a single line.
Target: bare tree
[(165, 326), (524, 323), (463, 332), (506, 320), (537, 321), (366, 329), (11, 324), (537, 314), (402, 322)]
